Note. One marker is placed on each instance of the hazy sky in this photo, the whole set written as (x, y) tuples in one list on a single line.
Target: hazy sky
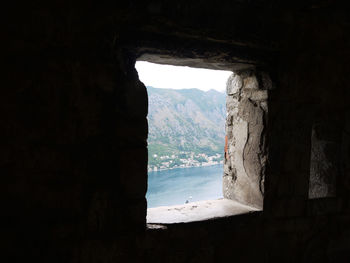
[(176, 77)]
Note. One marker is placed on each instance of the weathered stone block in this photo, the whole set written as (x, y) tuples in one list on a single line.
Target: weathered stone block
[(260, 95), (250, 83), (323, 164), (229, 132), (234, 84), (266, 81), (247, 155), (231, 104)]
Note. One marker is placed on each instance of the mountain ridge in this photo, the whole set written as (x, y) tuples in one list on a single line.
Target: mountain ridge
[(186, 122)]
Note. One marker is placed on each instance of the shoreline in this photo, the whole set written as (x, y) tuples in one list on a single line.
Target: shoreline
[(160, 170)]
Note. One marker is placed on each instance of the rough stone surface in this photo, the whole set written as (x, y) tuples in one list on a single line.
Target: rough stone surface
[(73, 120), (234, 84), (197, 211), (324, 162), (251, 82), (244, 168)]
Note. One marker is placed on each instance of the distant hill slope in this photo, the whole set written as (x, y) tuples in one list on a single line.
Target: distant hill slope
[(188, 120)]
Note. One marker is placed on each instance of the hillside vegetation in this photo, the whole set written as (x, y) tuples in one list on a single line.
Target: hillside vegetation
[(186, 127)]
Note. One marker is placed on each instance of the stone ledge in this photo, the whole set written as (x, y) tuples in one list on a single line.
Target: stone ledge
[(197, 211)]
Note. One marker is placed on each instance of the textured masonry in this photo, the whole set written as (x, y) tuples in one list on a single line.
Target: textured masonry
[(244, 167), (74, 128), (325, 159)]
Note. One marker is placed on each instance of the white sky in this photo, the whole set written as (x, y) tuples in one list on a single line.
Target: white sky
[(176, 77)]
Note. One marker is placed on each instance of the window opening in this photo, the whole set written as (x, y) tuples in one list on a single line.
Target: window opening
[(239, 187), (186, 138)]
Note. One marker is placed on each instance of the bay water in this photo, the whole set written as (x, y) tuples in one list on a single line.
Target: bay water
[(177, 186)]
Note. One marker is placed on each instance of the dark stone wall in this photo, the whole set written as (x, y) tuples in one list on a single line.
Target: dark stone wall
[(74, 129)]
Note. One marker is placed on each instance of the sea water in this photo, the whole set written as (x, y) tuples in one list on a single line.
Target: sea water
[(181, 185)]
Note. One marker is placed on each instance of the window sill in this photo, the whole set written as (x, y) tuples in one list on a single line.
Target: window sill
[(197, 211)]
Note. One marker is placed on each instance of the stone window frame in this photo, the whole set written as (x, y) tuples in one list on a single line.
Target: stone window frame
[(246, 123), (249, 88)]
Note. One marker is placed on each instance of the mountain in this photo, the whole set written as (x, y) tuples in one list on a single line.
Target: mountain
[(185, 124)]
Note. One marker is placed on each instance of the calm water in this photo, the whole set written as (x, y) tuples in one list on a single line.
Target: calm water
[(173, 187)]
